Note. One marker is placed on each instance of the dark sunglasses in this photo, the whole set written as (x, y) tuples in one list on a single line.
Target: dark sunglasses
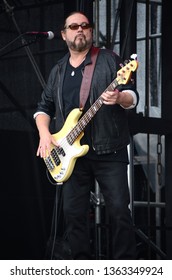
[(75, 26)]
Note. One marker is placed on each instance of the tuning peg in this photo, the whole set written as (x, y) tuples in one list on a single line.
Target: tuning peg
[(132, 81), (134, 56)]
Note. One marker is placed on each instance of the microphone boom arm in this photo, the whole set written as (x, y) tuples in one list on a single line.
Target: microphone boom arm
[(9, 10)]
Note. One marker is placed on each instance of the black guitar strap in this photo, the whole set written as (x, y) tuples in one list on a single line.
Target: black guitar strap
[(87, 77)]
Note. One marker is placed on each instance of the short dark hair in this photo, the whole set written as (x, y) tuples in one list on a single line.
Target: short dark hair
[(73, 13)]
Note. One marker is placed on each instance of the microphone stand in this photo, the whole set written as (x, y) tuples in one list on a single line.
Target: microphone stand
[(24, 43), (9, 10)]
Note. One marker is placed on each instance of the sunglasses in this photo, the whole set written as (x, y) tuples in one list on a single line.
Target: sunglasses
[(75, 26)]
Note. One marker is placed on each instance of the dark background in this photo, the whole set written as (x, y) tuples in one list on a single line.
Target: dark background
[(26, 194)]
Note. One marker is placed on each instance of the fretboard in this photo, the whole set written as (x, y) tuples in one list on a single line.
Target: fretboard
[(86, 118)]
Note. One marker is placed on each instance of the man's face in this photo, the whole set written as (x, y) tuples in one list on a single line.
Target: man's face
[(78, 38)]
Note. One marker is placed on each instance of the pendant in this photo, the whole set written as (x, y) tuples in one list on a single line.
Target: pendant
[(73, 73)]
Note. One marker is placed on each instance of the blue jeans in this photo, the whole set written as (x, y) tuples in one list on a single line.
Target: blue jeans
[(113, 184)]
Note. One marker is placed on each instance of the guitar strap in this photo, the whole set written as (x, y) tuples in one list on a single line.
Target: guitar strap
[(87, 78)]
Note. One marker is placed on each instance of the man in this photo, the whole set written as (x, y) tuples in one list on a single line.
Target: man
[(107, 136)]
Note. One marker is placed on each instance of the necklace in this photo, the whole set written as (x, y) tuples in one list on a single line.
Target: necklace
[(73, 73), (75, 69)]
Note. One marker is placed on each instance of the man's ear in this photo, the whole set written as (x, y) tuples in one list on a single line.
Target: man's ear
[(63, 35)]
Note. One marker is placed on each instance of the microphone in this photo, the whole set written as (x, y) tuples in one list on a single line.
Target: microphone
[(49, 34)]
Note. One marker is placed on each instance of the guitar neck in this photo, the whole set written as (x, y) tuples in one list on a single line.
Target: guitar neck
[(87, 117)]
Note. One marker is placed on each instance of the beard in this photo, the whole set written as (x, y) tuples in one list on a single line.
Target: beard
[(80, 43)]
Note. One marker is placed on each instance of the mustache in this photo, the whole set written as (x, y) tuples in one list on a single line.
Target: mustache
[(80, 35)]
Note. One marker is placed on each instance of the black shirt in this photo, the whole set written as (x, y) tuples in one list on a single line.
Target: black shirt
[(71, 91)]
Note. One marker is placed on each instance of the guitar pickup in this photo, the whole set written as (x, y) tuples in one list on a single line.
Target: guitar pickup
[(55, 157), (49, 163), (60, 151)]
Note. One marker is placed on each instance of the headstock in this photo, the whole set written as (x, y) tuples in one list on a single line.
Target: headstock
[(124, 74)]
